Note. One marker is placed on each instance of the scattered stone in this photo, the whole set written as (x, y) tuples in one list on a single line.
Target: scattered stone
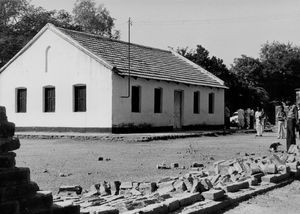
[(197, 165), (175, 165), (163, 166)]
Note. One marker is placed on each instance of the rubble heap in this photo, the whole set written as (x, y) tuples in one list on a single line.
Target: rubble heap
[(18, 194), (225, 180)]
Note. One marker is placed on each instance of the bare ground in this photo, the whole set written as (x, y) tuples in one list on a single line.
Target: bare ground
[(129, 161)]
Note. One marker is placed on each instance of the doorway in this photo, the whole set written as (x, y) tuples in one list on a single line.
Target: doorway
[(178, 95)]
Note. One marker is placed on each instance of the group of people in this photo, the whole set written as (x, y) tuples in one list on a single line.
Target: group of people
[(245, 118), (288, 121)]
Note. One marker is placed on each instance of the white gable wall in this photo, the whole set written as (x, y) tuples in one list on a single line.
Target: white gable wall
[(123, 116), (67, 66)]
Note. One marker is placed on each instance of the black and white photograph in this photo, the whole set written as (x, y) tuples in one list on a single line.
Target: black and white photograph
[(149, 106)]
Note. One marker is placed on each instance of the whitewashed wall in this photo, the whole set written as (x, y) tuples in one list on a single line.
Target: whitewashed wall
[(121, 107), (67, 66)]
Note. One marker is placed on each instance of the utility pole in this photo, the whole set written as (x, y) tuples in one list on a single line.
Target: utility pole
[(129, 60)]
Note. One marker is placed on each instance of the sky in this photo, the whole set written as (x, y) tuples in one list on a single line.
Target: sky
[(226, 28)]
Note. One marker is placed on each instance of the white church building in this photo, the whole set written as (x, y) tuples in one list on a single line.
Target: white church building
[(65, 80)]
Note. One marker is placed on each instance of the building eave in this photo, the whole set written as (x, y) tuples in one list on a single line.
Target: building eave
[(63, 36)]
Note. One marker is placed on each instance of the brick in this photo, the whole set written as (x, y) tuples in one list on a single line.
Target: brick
[(213, 194), (14, 176), (11, 207), (189, 198), (18, 192), (7, 160), (9, 144)]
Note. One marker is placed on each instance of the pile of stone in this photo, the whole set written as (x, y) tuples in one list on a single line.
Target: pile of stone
[(174, 193), (18, 194)]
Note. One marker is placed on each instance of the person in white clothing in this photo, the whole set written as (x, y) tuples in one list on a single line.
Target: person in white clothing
[(258, 122)]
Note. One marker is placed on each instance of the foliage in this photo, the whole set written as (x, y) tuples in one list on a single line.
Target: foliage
[(281, 74), (20, 21), (96, 20)]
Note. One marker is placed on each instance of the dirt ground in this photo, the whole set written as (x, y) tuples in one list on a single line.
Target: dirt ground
[(129, 161), (284, 200)]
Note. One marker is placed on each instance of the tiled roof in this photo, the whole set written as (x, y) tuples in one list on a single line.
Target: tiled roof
[(146, 62)]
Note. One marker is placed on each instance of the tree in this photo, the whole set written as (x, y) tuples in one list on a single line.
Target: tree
[(95, 20), (281, 74), (215, 65), (248, 73), (20, 21)]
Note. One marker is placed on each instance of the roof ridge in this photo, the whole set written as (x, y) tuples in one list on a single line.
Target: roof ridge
[(113, 40)]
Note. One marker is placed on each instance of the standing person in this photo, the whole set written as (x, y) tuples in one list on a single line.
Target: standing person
[(292, 118), (227, 117), (263, 120), (298, 122), (241, 118), (247, 118), (280, 117), (252, 118), (258, 124)]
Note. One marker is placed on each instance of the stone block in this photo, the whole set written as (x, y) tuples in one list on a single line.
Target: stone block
[(70, 209), (14, 176), (270, 169), (159, 208), (172, 204), (166, 187), (189, 198), (258, 176), (269, 178), (252, 182), (293, 166), (7, 129), (213, 194), (9, 144), (179, 186), (22, 191), (41, 200), (11, 207), (126, 185), (275, 178), (233, 187), (101, 210), (197, 186), (7, 160), (243, 184)]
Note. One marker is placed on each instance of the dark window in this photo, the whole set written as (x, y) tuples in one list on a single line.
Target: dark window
[(80, 98), (49, 102), (21, 99), (135, 99), (211, 103), (157, 100), (196, 102)]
